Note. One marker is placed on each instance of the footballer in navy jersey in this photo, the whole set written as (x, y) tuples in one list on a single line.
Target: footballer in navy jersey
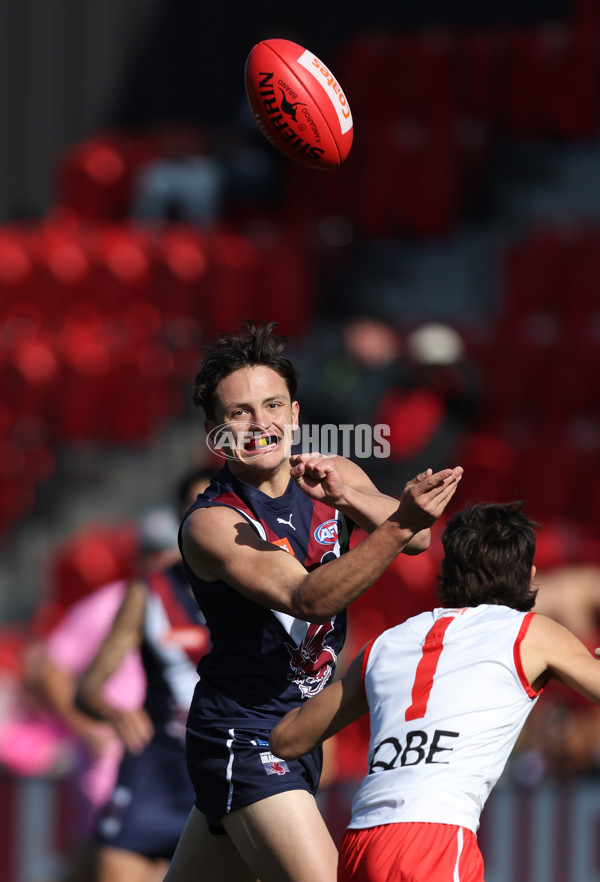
[(297, 658), (266, 550)]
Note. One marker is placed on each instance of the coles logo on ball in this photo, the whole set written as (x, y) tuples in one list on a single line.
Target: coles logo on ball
[(328, 532), (334, 92)]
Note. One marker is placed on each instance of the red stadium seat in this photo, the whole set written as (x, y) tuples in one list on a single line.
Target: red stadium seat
[(490, 464), (480, 62), (95, 177), (408, 182), (536, 270), (94, 556), (182, 271), (553, 86), (286, 283), (398, 76), (62, 268), (16, 270), (123, 267)]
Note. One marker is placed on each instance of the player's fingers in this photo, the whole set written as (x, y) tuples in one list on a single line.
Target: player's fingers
[(297, 468), (442, 499), (437, 481), (420, 477), (320, 467), (306, 457), (447, 489)]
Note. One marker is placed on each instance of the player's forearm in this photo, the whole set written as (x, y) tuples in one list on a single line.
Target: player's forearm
[(366, 508), (338, 705), (419, 542), (327, 590), (288, 740), (370, 509), (90, 701)]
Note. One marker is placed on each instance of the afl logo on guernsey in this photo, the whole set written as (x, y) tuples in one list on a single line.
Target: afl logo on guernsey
[(328, 532)]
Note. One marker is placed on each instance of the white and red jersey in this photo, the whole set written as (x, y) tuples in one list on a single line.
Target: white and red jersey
[(447, 698)]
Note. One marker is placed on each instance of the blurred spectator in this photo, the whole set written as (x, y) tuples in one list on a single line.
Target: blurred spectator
[(199, 180), (42, 731), (140, 824), (185, 188), (346, 368), (32, 741), (53, 671), (421, 389), (430, 408)]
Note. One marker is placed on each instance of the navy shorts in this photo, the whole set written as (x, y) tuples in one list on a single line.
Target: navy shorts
[(233, 767), (150, 802)]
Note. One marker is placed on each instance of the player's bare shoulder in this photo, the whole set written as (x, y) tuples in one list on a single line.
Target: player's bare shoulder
[(208, 535)]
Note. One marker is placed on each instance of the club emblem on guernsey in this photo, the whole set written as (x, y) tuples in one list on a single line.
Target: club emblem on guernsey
[(313, 661), (328, 532)]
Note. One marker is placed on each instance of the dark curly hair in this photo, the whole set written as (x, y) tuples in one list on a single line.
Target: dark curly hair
[(488, 554), (250, 345)]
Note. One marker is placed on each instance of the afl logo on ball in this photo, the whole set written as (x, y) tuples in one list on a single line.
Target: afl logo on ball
[(328, 532)]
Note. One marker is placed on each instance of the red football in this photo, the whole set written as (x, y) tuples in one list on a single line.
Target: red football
[(298, 104)]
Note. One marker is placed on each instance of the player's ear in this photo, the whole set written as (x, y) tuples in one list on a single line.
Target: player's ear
[(532, 576), (295, 412)]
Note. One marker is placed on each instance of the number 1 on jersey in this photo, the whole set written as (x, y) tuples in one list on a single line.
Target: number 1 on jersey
[(432, 649)]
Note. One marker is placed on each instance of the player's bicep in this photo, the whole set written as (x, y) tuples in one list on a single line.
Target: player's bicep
[(551, 649), (219, 544)]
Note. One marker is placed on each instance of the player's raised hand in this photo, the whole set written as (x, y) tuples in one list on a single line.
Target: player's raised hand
[(425, 497), (318, 476)]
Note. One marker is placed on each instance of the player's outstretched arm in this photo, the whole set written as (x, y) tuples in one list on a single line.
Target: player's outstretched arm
[(336, 706), (219, 544), (342, 484), (551, 651)]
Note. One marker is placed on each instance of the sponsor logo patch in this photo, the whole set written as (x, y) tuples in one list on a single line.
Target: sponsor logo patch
[(328, 532), (332, 88), (273, 765), (285, 544)]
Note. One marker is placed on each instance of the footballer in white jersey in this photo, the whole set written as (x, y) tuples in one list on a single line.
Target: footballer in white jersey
[(448, 692)]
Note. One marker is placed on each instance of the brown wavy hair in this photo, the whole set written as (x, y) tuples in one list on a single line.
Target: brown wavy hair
[(250, 345), (488, 554)]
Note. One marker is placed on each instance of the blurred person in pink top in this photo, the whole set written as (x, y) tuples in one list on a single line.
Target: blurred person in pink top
[(62, 658)]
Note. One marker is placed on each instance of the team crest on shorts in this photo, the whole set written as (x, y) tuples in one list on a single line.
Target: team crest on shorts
[(272, 764)]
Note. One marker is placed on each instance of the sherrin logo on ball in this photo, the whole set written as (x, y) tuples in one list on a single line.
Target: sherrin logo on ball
[(298, 104)]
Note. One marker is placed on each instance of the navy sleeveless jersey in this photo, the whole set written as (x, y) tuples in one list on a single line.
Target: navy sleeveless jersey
[(263, 662), (175, 638)]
